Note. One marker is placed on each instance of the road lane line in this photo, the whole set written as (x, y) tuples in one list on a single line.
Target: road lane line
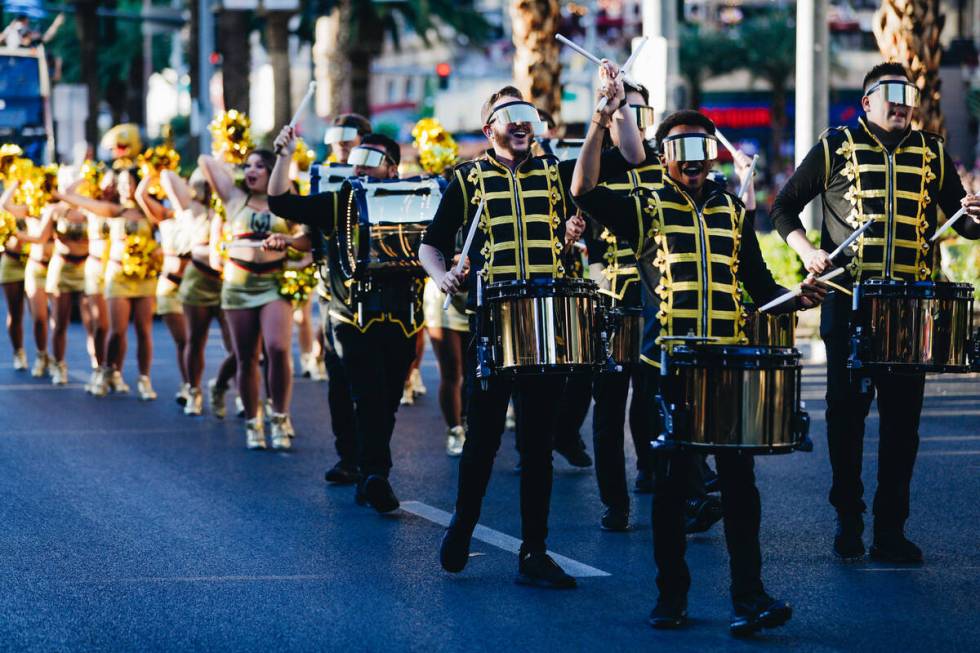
[(500, 540), (871, 454), (39, 386)]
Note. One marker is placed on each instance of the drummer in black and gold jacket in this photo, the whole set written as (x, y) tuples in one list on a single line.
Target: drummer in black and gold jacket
[(695, 245), (374, 332), (853, 170), (524, 227)]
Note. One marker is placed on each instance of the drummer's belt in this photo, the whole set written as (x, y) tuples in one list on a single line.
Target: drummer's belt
[(697, 261), (896, 189), (521, 219), (619, 259)]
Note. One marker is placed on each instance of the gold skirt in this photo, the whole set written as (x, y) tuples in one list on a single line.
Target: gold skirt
[(65, 276), (12, 268), (35, 277), (118, 285), (200, 288), (248, 289), (168, 302), (454, 318)]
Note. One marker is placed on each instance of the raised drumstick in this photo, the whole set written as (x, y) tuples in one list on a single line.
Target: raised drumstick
[(301, 108), (466, 248)]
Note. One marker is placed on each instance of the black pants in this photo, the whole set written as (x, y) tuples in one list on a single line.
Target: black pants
[(742, 512), (376, 363), (899, 408), (338, 394), (611, 390), (537, 398), (575, 402)]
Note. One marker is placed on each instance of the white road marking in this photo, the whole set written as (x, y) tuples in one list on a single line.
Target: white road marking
[(873, 454), (211, 579), (500, 540), (39, 386)]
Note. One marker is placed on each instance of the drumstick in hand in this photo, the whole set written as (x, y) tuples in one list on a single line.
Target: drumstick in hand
[(301, 108), (949, 223), (850, 239), (466, 248), (799, 290)]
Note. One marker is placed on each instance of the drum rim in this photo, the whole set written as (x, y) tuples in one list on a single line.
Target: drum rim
[(539, 287), (916, 289), (700, 356)]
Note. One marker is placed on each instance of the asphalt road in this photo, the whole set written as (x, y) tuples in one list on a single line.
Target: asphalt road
[(127, 526)]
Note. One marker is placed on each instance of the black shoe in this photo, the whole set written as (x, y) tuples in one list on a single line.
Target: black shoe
[(615, 519), (643, 483), (539, 570), (360, 498), (378, 492), (702, 514), (894, 547), (711, 483), (342, 474), (757, 612), (576, 455), (454, 552), (669, 614), (848, 544)]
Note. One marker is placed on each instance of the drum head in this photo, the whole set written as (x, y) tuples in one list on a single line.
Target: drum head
[(892, 288), (541, 287)]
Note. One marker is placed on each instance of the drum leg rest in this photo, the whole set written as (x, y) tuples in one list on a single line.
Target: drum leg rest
[(801, 427)]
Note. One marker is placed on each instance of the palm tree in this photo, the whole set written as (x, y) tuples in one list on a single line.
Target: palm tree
[(705, 53), (277, 44), (331, 63), (360, 30), (87, 30), (908, 32), (233, 43), (537, 69)]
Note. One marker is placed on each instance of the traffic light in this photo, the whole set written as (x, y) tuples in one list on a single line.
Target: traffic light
[(443, 71)]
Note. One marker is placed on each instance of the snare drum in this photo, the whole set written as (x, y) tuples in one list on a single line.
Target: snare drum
[(911, 326), (380, 223), (769, 330), (543, 326), (625, 330), (728, 397), (566, 149)]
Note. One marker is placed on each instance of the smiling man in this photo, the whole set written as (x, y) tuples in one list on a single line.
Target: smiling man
[(886, 171), (527, 220), (695, 247)]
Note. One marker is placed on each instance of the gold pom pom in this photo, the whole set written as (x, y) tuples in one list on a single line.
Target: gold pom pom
[(437, 148), (154, 161), (231, 136), (139, 259), (296, 285)]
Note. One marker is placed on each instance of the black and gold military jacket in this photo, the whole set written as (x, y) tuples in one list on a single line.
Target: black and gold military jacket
[(864, 173), (614, 256), (693, 256), (522, 228)]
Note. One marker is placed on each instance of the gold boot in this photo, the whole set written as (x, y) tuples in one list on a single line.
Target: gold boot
[(117, 384), (183, 394), (455, 437), (40, 365), (282, 431), (255, 433), (216, 399), (100, 382), (195, 402), (20, 360), (418, 387), (145, 388), (59, 373)]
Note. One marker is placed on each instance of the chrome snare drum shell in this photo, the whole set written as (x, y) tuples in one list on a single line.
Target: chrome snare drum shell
[(769, 330), (722, 398), (625, 332), (543, 325), (912, 326)]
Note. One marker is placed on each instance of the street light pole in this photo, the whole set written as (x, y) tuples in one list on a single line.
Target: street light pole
[(812, 85), (662, 70), (202, 103)]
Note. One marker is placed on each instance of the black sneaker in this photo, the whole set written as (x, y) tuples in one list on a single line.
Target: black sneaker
[(454, 552), (576, 455), (342, 473), (702, 514), (539, 570), (894, 547), (616, 520), (643, 483), (758, 611), (848, 544), (669, 614), (378, 492)]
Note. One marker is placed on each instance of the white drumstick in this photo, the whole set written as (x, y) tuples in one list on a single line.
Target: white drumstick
[(748, 178), (301, 109), (253, 244), (799, 290), (949, 223), (623, 71), (850, 239), (582, 51), (724, 141), (466, 248)]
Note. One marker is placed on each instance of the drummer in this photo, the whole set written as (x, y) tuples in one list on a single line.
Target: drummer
[(376, 345), (852, 169), (670, 228), (527, 202)]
